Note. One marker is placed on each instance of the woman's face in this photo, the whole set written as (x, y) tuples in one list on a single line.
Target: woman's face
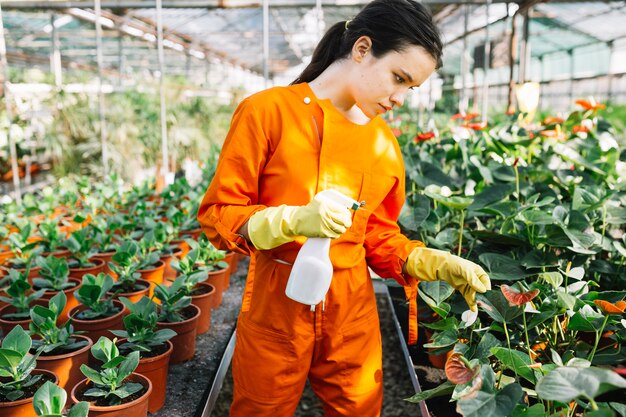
[(378, 84)]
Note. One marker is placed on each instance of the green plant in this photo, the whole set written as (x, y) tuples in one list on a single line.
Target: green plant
[(51, 239), (173, 301), (25, 252), (16, 364), (109, 383), (140, 326), (19, 296), (81, 245), (50, 338), (55, 274), (93, 293), (125, 264), (50, 399)]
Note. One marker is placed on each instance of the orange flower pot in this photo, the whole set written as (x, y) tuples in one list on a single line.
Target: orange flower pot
[(5, 254), (94, 270), (156, 370), (136, 295), (61, 253), (204, 301), (66, 366), (193, 234), (69, 294), (182, 245), (106, 257), (96, 328), (24, 406), (216, 278), (135, 408), (7, 325), (154, 275), (185, 340), (169, 273)]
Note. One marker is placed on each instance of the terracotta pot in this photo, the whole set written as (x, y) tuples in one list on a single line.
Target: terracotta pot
[(231, 259), (154, 275), (168, 271), (204, 302), (8, 325), (71, 300), (66, 366), (136, 295), (194, 234), (185, 340), (96, 328), (24, 406), (216, 278), (106, 257), (34, 271), (135, 408), (182, 245), (94, 270), (156, 370), (5, 254), (61, 254), (439, 361)]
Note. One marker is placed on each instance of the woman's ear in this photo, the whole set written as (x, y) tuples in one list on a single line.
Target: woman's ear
[(361, 48)]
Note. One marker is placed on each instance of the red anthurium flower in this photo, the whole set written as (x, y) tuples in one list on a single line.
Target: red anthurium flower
[(580, 129), (458, 370), (421, 137), (557, 133), (510, 112), (457, 116), (396, 132), (590, 105), (531, 135), (476, 126), (465, 116), (552, 120), (611, 308), (517, 298)]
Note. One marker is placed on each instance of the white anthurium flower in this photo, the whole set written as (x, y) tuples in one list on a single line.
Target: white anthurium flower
[(620, 167), (586, 310), (469, 188), (587, 123), (445, 191), (578, 288), (576, 273), (607, 141), (432, 188), (469, 317), (460, 133), (530, 308), (496, 157), (623, 322), (569, 312)]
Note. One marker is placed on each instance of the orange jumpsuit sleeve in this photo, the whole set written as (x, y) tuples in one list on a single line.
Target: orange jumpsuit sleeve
[(232, 196)]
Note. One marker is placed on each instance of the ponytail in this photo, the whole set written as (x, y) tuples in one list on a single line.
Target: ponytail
[(326, 52), (392, 25)]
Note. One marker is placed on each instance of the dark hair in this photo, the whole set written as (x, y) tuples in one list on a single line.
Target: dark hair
[(392, 25)]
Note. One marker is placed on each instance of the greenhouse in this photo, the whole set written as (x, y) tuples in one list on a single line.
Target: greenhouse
[(312, 208)]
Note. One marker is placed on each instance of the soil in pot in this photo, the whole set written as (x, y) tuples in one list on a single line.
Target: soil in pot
[(142, 287), (96, 328), (24, 406), (66, 365), (69, 294), (202, 297), (135, 405), (185, 340)]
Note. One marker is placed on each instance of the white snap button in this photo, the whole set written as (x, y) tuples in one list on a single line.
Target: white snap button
[(307, 100)]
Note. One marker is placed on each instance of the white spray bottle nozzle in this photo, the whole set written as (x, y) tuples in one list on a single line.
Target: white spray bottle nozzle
[(339, 198)]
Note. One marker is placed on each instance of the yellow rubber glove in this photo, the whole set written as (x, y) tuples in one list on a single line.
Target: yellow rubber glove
[(465, 276), (275, 226)]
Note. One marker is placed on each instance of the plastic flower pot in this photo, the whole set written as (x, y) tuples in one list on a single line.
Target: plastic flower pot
[(193, 234), (66, 366), (96, 328), (61, 253), (168, 271), (94, 270), (5, 254), (203, 300), (153, 275), (24, 406), (106, 257), (216, 278), (69, 294), (135, 408), (6, 325), (185, 340), (182, 245), (143, 288)]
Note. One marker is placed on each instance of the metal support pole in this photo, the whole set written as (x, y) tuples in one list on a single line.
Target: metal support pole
[(103, 132), (512, 59), (463, 98), (266, 41), (164, 150), (486, 64), (541, 79), (525, 49), (55, 54), (571, 76), (4, 73), (609, 74)]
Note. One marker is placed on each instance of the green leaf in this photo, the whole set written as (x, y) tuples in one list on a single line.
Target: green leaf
[(127, 389), (502, 267), (9, 358), (602, 412), (580, 323), (128, 366), (14, 395), (487, 342), (17, 340), (49, 399), (566, 383), (498, 404), (490, 195), (91, 374), (443, 339), (455, 202), (553, 278), (412, 217), (444, 389), (498, 308), (80, 409), (516, 361), (620, 408), (437, 291), (537, 410)]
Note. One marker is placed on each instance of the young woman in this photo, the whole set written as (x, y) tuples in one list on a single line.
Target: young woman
[(284, 146)]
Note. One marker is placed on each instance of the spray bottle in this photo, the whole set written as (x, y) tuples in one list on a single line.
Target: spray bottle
[(312, 272)]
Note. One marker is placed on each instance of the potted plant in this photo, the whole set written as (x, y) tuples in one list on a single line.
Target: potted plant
[(24, 251), (115, 390), (81, 260), (159, 236), (19, 302), (62, 351), (141, 334), (98, 313), (177, 313), (193, 279), (50, 399), (49, 238), (19, 380), (210, 259), (54, 278), (103, 231), (124, 265)]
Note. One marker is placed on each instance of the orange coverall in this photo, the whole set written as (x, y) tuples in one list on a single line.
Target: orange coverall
[(274, 154)]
